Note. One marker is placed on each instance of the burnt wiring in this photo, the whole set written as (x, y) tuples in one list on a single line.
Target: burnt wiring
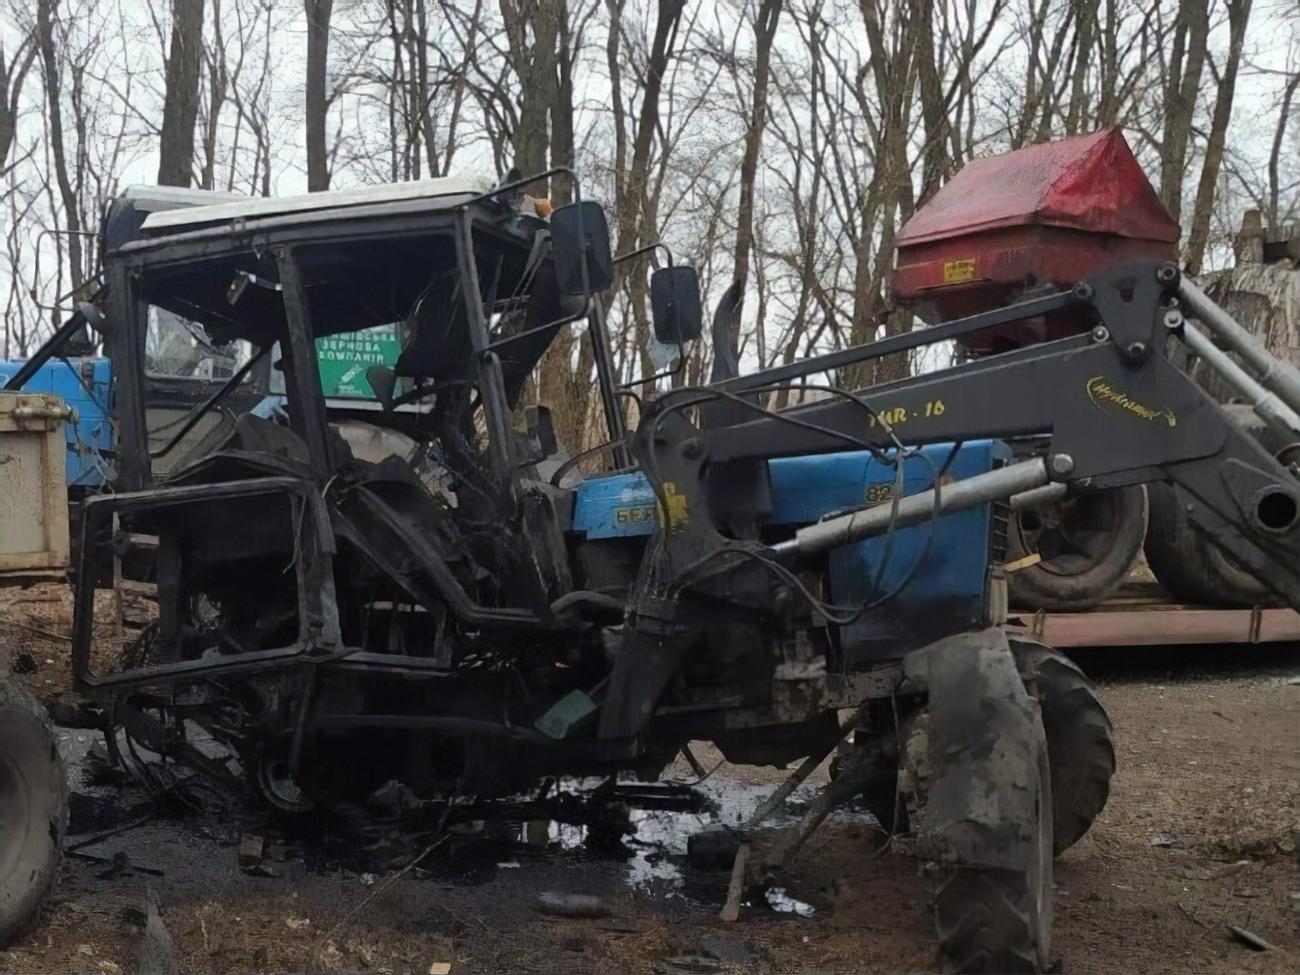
[(837, 615)]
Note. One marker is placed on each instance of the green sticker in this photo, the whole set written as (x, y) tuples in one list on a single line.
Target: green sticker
[(343, 360)]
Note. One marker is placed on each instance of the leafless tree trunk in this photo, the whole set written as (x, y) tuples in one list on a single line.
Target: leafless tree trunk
[(1273, 211), (937, 163), (181, 96), (1085, 19), (891, 42), (252, 108), (13, 73), (1182, 82), (765, 24), (46, 12), (460, 82), (1198, 237), (219, 83), (533, 29), (317, 100), (633, 201)]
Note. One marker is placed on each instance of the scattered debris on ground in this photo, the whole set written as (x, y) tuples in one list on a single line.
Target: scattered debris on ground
[(250, 891)]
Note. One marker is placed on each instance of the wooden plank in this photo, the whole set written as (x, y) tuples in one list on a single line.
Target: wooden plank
[(736, 887), (1158, 626)]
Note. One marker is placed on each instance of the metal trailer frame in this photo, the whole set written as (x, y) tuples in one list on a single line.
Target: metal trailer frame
[(1131, 622)]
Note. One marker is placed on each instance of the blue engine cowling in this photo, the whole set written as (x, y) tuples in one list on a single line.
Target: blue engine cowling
[(947, 590)]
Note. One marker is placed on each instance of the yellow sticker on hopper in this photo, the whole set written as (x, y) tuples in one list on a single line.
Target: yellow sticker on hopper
[(954, 272)]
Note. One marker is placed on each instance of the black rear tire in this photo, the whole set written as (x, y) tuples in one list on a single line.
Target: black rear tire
[(1189, 566), (33, 809), (1080, 748), (1088, 544)]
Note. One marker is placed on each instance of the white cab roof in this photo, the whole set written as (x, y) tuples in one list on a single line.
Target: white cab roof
[(195, 210), (151, 199)]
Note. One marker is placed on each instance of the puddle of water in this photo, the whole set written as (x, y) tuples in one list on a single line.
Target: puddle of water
[(657, 840)]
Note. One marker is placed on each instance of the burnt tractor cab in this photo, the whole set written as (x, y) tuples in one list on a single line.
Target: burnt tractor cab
[(295, 579)]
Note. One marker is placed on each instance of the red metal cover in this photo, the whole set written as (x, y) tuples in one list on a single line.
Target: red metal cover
[(1087, 182)]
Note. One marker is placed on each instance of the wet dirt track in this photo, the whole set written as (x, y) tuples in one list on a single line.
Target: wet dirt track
[(1199, 833)]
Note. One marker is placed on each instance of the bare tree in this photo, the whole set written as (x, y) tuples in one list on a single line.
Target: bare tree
[(219, 80), (319, 13), (1198, 236), (13, 73), (1273, 211), (181, 96), (46, 13), (632, 171), (1182, 83), (767, 17)]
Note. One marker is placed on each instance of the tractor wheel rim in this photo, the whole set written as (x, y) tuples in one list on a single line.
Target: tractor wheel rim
[(1071, 537)]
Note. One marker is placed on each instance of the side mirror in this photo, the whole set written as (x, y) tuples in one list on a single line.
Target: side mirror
[(675, 304), (383, 381), (580, 233)]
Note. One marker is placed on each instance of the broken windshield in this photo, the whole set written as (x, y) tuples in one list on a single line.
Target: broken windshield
[(177, 348)]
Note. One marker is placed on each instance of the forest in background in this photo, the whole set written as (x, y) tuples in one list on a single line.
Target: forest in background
[(780, 143)]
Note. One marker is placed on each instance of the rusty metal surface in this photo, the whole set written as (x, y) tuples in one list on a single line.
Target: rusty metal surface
[(1158, 625), (33, 487)]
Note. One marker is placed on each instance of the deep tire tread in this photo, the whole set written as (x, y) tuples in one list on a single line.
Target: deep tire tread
[(1188, 566), (1080, 740), (983, 922), (20, 902), (989, 915)]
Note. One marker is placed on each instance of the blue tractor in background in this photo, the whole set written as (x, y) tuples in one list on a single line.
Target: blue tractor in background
[(85, 386)]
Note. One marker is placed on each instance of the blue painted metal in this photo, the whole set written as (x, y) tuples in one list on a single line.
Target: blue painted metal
[(618, 506), (954, 562), (938, 573), (84, 385), (949, 581)]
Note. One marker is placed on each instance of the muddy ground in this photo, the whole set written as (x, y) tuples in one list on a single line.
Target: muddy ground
[(1200, 833)]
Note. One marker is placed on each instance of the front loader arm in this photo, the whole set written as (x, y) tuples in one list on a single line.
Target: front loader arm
[(1117, 423), (1113, 407)]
